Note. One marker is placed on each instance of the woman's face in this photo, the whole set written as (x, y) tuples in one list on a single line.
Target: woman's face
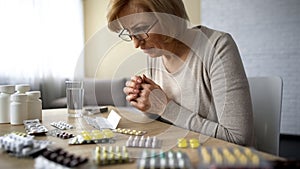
[(154, 45)]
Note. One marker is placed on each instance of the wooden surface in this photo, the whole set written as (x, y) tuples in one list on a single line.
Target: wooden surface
[(168, 133)]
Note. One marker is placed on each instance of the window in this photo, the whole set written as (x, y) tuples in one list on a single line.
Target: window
[(41, 40)]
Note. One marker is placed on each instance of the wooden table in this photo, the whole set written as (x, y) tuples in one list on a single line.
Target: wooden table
[(168, 133)]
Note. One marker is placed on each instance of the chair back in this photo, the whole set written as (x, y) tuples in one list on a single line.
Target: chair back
[(266, 96)]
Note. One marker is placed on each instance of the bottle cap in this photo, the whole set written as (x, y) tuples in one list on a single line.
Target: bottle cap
[(10, 89), (34, 94), (18, 97), (22, 88)]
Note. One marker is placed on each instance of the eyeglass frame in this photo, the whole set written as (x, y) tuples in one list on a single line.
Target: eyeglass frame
[(137, 35)]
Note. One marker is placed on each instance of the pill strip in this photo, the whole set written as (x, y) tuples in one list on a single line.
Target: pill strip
[(62, 125), (92, 122), (20, 146), (130, 131), (60, 134), (168, 159), (111, 155), (22, 134), (34, 127), (142, 142), (93, 137), (230, 157), (58, 158)]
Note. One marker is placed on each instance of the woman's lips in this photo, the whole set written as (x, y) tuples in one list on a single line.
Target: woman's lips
[(148, 51)]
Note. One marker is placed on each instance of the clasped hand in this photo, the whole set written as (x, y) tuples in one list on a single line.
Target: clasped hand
[(145, 95)]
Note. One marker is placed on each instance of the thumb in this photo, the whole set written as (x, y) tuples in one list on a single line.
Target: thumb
[(148, 80)]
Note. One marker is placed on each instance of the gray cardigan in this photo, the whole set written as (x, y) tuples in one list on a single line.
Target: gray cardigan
[(210, 92)]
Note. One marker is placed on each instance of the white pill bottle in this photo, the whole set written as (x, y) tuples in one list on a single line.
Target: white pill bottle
[(22, 88), (18, 108), (5, 92), (34, 105)]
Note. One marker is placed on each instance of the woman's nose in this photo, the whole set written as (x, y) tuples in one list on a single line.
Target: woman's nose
[(137, 42)]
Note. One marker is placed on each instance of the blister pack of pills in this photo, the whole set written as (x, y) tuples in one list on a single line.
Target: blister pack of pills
[(111, 122), (21, 146), (142, 142), (60, 134), (62, 125), (230, 157), (58, 158), (34, 127), (22, 134), (111, 155), (168, 159), (93, 137), (92, 121), (130, 131)]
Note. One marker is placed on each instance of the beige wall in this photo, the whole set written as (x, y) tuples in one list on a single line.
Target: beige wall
[(122, 59)]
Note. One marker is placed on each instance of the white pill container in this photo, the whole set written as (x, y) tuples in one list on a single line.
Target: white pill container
[(5, 92), (18, 109), (34, 105)]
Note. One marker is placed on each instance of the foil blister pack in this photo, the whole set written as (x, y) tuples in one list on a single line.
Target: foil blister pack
[(111, 155), (62, 125), (60, 134), (93, 137), (230, 157), (143, 142), (167, 159), (34, 127), (20, 146), (60, 159), (130, 131)]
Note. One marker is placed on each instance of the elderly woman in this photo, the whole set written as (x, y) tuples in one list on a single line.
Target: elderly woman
[(195, 79)]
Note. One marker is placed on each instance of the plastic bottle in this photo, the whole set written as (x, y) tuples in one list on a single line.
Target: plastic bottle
[(5, 93), (18, 108), (34, 105)]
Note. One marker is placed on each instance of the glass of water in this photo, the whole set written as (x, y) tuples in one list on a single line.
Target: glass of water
[(75, 96)]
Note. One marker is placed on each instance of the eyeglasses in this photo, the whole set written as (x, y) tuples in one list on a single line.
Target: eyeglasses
[(139, 35)]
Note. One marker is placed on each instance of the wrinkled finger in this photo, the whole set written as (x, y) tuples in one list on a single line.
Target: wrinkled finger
[(144, 93), (129, 90), (133, 84), (131, 97), (139, 105), (137, 79)]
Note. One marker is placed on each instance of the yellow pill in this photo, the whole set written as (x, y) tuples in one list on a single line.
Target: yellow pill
[(98, 136), (86, 137), (97, 149), (109, 134), (237, 152), (182, 143), (255, 160), (243, 159), (194, 143), (231, 159), (218, 158), (248, 152)]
